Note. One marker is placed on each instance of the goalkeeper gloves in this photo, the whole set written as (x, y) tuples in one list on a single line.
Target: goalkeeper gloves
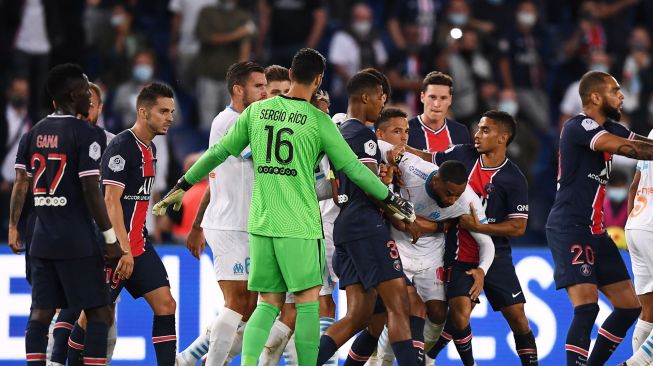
[(174, 197), (399, 208)]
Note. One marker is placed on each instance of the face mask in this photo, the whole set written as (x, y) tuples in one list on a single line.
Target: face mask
[(143, 72), (617, 194), (509, 106), (361, 28), (526, 19), (599, 67), (458, 19), (18, 102), (117, 20)]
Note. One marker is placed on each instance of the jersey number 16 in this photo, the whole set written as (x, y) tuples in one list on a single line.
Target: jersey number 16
[(278, 144)]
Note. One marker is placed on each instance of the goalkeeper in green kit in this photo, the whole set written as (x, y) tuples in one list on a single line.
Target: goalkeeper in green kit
[(287, 137)]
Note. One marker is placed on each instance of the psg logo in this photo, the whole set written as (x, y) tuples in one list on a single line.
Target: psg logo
[(489, 188), (397, 264), (586, 270)]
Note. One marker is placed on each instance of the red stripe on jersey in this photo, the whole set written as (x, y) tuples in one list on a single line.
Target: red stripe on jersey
[(136, 225), (148, 160), (438, 140), (467, 248)]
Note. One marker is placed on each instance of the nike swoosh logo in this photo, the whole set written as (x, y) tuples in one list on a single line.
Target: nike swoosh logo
[(515, 295)]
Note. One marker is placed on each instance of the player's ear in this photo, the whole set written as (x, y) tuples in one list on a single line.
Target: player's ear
[(595, 98), (365, 97)]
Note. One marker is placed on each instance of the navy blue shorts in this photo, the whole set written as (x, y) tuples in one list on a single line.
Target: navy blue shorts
[(502, 286), (581, 257), (368, 261), (148, 275), (78, 283), (458, 283)]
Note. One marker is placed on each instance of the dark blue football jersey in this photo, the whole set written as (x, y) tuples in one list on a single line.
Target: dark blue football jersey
[(129, 163), (503, 189), (58, 151), (359, 217), (582, 174), (424, 138)]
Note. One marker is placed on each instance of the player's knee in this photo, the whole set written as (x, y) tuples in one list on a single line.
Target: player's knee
[(239, 304), (417, 308), (102, 314), (327, 306), (459, 318), (42, 315), (437, 315), (166, 306)]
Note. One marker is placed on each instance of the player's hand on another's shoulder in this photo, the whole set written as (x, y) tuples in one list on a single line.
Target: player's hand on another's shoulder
[(399, 207), (479, 281), (173, 197), (15, 243), (469, 221), (125, 265), (195, 242), (395, 154)]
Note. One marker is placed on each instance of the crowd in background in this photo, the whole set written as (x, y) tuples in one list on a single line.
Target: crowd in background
[(523, 57)]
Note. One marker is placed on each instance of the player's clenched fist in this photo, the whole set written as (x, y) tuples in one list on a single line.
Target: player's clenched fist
[(398, 207), (174, 198)]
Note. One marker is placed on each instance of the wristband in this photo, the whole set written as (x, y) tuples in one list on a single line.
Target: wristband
[(183, 184), (109, 236)]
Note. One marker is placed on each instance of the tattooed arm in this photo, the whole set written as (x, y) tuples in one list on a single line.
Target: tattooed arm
[(18, 195), (636, 149)]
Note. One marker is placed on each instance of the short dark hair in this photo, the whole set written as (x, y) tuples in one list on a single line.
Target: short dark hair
[(238, 73), (387, 114), (276, 73), (591, 82), (306, 65), (362, 82), (61, 79), (151, 92), (505, 121), (385, 83), (437, 78), (453, 171)]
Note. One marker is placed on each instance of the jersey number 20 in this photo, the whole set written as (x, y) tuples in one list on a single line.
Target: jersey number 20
[(278, 144)]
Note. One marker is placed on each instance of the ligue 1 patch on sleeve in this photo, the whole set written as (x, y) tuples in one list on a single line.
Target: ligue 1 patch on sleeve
[(116, 163), (370, 148), (589, 124), (94, 151)]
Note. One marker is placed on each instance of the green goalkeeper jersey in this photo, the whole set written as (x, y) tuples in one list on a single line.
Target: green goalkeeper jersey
[(288, 138)]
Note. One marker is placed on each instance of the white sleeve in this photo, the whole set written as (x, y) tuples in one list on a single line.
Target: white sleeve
[(484, 241), (384, 147), (414, 170), (323, 181), (338, 50), (571, 103)]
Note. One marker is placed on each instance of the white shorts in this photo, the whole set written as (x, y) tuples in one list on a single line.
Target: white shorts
[(330, 277), (640, 245), (425, 279), (230, 254)]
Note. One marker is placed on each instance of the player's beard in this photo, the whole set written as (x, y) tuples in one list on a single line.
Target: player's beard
[(610, 112), (247, 100)]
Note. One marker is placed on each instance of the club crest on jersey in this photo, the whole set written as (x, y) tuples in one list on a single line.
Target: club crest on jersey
[(117, 163), (589, 124), (370, 148), (489, 188), (586, 270), (397, 265), (239, 268), (94, 151)]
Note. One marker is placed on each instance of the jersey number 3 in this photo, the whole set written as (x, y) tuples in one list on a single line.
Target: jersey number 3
[(37, 187), (279, 144)]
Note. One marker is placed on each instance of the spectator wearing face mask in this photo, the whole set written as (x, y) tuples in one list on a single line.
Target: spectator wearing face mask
[(615, 206), (354, 48), (634, 70)]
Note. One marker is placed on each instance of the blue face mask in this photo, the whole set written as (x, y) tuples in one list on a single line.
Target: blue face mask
[(143, 72), (458, 19), (599, 67), (617, 194), (509, 106)]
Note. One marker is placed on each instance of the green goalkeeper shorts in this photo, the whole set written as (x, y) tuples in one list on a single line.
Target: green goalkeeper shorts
[(285, 264)]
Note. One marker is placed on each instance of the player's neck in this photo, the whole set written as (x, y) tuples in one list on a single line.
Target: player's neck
[(300, 91), (65, 110), (356, 111), (143, 133), (237, 105), (493, 159), (594, 114), (432, 124)]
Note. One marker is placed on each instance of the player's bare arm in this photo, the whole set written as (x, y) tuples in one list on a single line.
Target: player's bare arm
[(512, 227), (635, 149), (18, 195), (426, 156), (95, 204), (195, 240), (112, 195), (632, 190)]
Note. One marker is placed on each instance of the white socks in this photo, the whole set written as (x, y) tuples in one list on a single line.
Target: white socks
[(640, 333), (223, 332), (643, 356), (276, 343), (195, 351), (432, 333), (237, 346), (384, 352), (112, 337)]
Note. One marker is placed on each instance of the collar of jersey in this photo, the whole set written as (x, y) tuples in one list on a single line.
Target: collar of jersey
[(419, 118), (426, 185), (480, 161), (137, 139), (291, 98), (55, 115)]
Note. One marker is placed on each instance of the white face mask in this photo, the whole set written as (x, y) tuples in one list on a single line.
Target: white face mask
[(117, 20), (509, 106), (526, 19), (617, 194), (362, 28)]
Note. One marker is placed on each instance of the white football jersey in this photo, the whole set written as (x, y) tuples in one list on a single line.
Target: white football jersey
[(415, 173), (328, 208), (641, 217), (231, 183)]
